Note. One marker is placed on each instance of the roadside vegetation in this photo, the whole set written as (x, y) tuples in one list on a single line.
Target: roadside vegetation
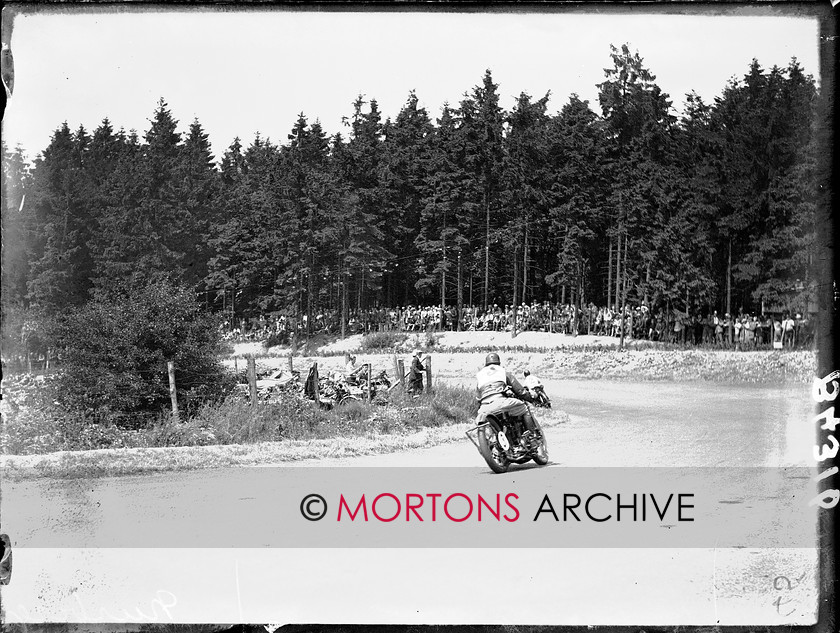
[(235, 434), (38, 426)]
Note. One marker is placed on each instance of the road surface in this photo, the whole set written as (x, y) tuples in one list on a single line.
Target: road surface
[(191, 547)]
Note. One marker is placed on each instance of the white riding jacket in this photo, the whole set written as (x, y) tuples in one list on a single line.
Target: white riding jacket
[(491, 382)]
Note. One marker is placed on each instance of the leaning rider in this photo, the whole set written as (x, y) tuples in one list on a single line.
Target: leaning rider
[(531, 382), (491, 383)]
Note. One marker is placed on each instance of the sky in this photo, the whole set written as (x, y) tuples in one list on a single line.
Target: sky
[(246, 72)]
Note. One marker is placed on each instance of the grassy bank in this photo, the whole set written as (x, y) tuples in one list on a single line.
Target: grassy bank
[(35, 427), (253, 440)]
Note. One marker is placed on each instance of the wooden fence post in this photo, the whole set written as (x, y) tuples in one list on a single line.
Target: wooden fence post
[(316, 387), (401, 372), (252, 378), (369, 368), (291, 368), (428, 374), (396, 369), (173, 393)]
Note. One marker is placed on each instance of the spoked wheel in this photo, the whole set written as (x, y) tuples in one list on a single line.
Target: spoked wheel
[(491, 451), (541, 452)]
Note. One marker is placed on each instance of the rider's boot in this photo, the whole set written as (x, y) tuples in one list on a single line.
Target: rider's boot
[(530, 423), (531, 431)]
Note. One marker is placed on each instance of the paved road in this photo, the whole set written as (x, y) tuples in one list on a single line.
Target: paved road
[(656, 424), (64, 571)]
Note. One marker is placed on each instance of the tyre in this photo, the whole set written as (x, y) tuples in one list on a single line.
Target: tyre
[(541, 453), (493, 454), (348, 398)]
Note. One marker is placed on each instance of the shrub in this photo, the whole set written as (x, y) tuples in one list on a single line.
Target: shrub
[(114, 350), (276, 338), (432, 340), (382, 340)]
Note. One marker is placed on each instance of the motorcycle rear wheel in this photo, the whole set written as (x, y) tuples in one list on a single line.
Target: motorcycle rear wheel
[(488, 446)]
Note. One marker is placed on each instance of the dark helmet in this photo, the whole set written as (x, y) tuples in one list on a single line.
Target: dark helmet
[(492, 359), (526, 373)]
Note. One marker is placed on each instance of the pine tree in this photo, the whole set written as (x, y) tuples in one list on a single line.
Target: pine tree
[(62, 268), (361, 218), (481, 121), (639, 145), (525, 179), (444, 227), (405, 172), (197, 194), (577, 194)]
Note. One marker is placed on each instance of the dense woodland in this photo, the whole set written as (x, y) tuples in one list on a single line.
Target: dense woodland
[(621, 200)]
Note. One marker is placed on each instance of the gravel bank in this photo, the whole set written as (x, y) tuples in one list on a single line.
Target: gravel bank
[(761, 367)]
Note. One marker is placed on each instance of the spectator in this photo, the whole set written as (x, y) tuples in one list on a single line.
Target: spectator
[(415, 374), (788, 328)]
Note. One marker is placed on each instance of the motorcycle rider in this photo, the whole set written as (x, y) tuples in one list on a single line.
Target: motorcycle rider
[(491, 383), (531, 382), (535, 387)]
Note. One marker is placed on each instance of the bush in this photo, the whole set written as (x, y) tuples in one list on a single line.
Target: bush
[(113, 353), (276, 338), (382, 340)]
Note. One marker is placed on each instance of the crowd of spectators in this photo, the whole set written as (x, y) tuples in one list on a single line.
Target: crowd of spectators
[(744, 330)]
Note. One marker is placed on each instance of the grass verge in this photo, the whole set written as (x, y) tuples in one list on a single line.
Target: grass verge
[(443, 429)]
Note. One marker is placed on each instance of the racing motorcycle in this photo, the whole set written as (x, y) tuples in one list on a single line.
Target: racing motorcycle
[(540, 397), (500, 441)]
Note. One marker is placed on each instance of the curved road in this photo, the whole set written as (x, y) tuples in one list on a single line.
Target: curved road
[(102, 550)]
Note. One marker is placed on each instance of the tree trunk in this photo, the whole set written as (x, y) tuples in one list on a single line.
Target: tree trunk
[(618, 270), (609, 273), (343, 310), (487, 248), (626, 280), (729, 290), (460, 295), (361, 290), (443, 268), (310, 288), (525, 265), (515, 289), (343, 290)]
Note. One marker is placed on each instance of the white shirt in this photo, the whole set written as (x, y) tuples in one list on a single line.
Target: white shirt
[(531, 382)]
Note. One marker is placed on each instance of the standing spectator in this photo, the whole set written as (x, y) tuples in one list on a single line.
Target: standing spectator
[(739, 336), (777, 332), (678, 328), (788, 327), (749, 331), (415, 374), (718, 324)]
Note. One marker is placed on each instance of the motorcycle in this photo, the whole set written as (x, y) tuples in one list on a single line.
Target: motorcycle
[(499, 440), (540, 397)]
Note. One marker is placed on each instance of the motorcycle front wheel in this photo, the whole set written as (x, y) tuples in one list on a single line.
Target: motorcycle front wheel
[(541, 453), (488, 446)]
